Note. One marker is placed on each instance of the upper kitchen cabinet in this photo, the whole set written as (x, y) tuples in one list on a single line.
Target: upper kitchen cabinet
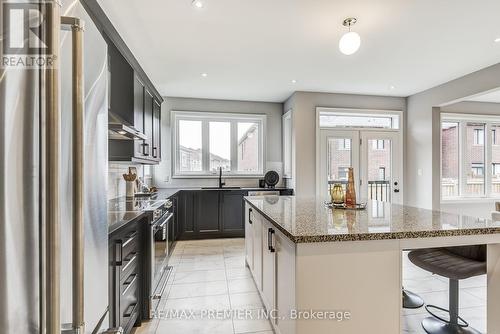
[(134, 114), (156, 130), (287, 127)]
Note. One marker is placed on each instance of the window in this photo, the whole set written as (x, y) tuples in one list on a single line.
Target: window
[(344, 144), (470, 156), (477, 170), (331, 118), (479, 137), (343, 173), (206, 142), (378, 144), (381, 173)]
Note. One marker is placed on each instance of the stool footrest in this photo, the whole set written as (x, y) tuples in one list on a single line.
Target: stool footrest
[(460, 319)]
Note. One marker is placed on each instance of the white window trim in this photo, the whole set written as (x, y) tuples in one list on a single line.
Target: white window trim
[(488, 120), (359, 112), (206, 117)]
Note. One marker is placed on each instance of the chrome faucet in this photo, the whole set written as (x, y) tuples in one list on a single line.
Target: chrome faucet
[(221, 184)]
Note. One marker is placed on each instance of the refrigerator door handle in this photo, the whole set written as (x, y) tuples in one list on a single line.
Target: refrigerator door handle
[(76, 25)]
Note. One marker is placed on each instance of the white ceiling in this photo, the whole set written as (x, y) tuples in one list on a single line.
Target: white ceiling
[(251, 50), (492, 97)]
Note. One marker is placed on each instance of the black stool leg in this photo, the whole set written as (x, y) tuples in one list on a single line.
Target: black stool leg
[(411, 300), (456, 325)]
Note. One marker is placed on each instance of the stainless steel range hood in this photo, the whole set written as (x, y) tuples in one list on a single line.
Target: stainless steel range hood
[(122, 131)]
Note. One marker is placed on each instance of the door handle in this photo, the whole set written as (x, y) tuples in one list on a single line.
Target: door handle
[(76, 25), (271, 247)]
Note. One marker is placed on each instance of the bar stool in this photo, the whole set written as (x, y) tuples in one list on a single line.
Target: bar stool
[(411, 300), (455, 263)]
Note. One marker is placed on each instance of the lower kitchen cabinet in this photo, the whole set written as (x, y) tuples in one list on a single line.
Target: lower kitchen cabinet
[(125, 276), (206, 213), (232, 219), (270, 256)]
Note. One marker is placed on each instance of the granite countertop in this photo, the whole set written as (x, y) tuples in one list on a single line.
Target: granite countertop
[(305, 220), (118, 219)]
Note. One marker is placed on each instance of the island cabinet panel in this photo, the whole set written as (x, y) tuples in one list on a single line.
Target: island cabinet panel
[(270, 256), (257, 250), (268, 265), (249, 238)]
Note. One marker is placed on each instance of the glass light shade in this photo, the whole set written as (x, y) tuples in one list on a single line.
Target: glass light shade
[(350, 43)]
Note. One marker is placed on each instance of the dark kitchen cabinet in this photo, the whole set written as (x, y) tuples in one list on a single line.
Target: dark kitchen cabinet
[(231, 213), (148, 123), (156, 131), (121, 88), (125, 276), (207, 212), (185, 209)]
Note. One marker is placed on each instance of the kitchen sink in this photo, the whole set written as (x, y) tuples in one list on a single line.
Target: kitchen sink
[(221, 188)]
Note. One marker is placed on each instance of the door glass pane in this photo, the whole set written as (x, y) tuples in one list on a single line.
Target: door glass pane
[(220, 146), (495, 159), (474, 158), (450, 165), (190, 146), (379, 169), (339, 159), (248, 147)]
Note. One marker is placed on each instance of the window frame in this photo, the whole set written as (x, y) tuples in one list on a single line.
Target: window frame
[(206, 118), (490, 122)]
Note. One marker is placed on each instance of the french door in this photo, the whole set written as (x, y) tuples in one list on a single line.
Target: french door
[(376, 157)]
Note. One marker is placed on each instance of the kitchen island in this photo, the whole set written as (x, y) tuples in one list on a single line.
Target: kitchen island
[(327, 270)]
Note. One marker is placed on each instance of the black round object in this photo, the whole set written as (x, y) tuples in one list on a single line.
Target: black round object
[(272, 178)]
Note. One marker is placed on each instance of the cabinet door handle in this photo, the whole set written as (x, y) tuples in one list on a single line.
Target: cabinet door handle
[(145, 149), (269, 237), (250, 216), (154, 152), (271, 247), (118, 253)]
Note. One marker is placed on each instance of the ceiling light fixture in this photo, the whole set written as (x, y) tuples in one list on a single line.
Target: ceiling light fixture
[(204, 75), (392, 87), (350, 41), (197, 4), (294, 81), (497, 40)]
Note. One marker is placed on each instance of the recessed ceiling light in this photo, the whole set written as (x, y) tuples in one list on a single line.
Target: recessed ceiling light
[(294, 81), (497, 40), (204, 75), (198, 4), (392, 87)]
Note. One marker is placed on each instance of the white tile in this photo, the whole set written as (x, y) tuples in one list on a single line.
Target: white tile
[(426, 284), (246, 301), (198, 289), (254, 323), (242, 285), (220, 302), (440, 298), (207, 265), (237, 273), (235, 262), (477, 292), (199, 276), (195, 326)]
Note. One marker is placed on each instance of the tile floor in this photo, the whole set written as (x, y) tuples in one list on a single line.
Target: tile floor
[(211, 274)]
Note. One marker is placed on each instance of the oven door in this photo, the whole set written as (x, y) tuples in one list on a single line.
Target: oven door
[(160, 247)]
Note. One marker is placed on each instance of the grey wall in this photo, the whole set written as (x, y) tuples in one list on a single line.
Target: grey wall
[(304, 106), (422, 175), (471, 107), (163, 173)]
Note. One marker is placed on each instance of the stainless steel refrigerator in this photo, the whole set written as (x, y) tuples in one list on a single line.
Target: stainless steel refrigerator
[(53, 181)]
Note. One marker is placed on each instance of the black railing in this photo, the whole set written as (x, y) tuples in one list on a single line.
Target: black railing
[(377, 190), (380, 190)]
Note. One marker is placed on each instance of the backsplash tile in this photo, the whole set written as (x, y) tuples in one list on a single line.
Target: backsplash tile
[(116, 183)]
